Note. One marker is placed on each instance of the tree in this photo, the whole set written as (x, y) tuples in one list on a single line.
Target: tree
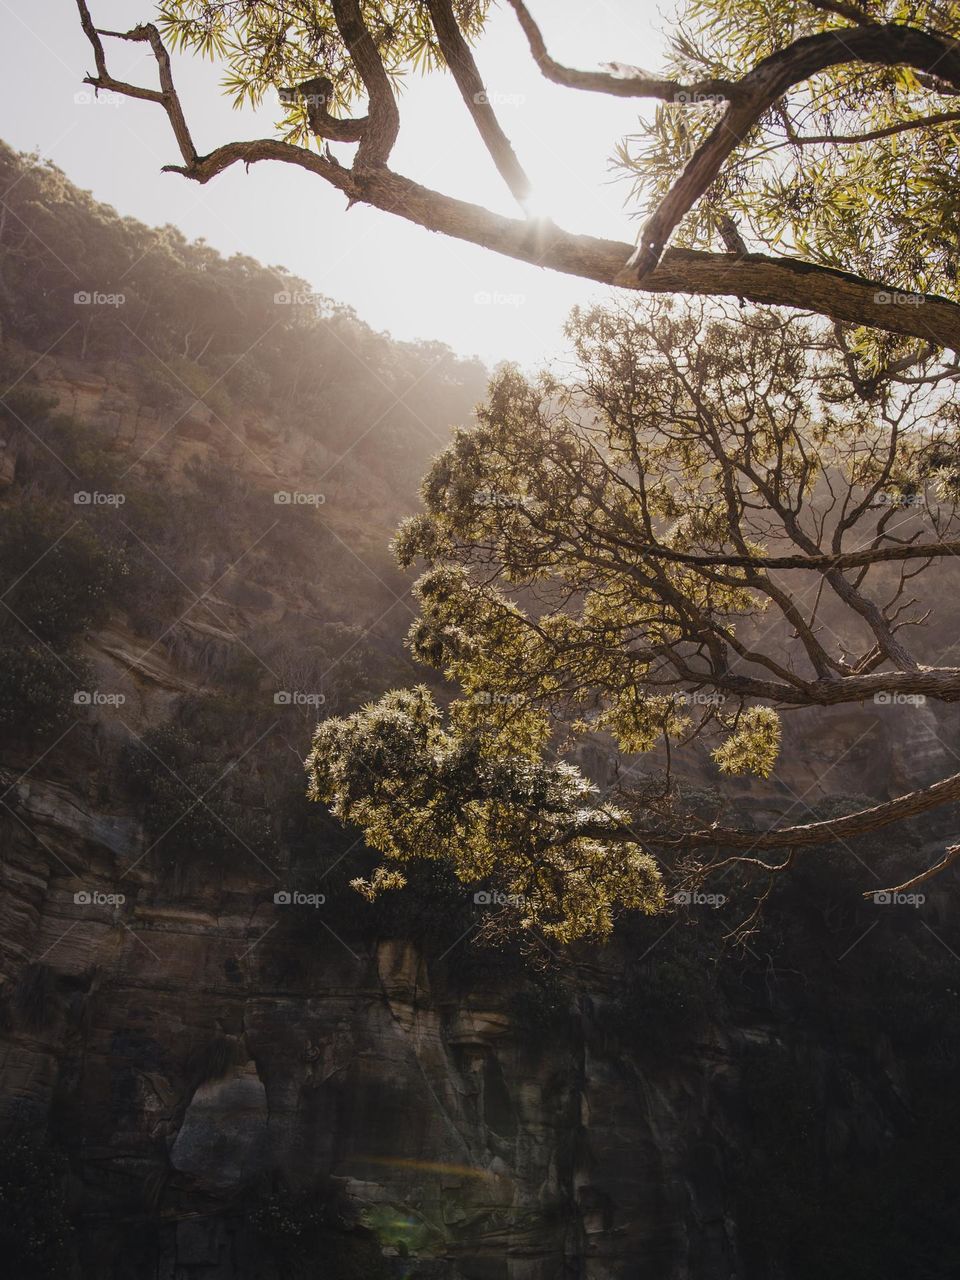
[(713, 526), (829, 126)]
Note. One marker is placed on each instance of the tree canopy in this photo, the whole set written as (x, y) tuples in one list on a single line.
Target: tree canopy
[(801, 152), (710, 527)]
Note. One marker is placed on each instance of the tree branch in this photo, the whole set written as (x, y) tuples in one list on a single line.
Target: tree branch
[(619, 86), (788, 282), (460, 60), (951, 854), (383, 118), (316, 93), (807, 834), (844, 139), (166, 97), (888, 44)]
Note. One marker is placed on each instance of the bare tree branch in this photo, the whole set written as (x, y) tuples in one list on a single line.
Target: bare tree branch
[(951, 854), (807, 834), (816, 563), (167, 95), (639, 86), (873, 135), (460, 60)]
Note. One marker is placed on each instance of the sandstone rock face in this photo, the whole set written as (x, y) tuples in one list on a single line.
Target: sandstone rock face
[(222, 1138), (470, 1141), (446, 1127)]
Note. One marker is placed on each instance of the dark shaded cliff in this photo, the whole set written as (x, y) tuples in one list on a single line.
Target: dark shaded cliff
[(217, 1061)]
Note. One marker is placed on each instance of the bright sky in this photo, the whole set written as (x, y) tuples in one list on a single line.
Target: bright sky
[(412, 282)]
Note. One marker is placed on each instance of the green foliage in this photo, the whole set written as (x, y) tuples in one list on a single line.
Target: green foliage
[(754, 745), (581, 548), (37, 687), (884, 206), (542, 1005), (62, 578), (417, 791), (672, 994), (266, 49), (199, 333)]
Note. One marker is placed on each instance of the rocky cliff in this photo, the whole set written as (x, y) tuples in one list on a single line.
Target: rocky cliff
[(218, 1063)]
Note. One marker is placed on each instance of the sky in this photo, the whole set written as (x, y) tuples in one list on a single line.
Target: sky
[(398, 277)]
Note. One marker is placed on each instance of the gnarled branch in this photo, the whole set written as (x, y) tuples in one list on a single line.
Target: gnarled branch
[(789, 282), (888, 44), (383, 118)]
